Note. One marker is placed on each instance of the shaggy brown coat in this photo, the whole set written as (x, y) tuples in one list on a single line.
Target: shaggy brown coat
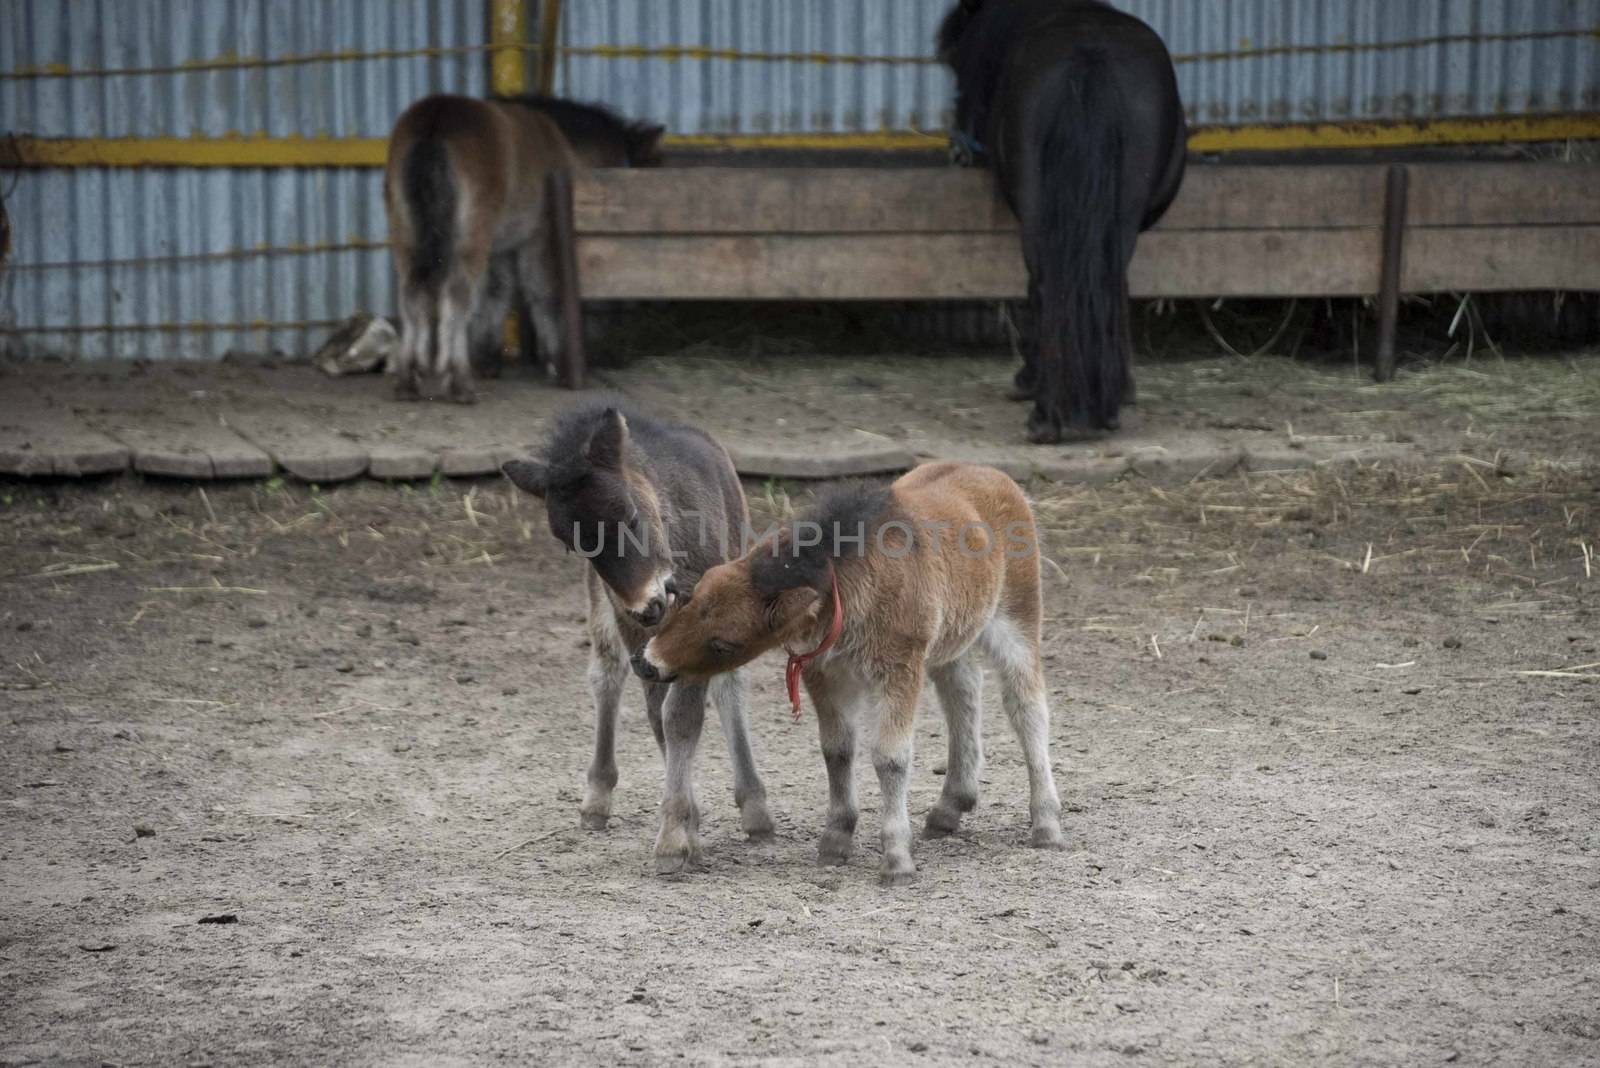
[(948, 565)]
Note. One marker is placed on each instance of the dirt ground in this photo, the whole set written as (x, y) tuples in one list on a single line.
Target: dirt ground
[(1327, 740)]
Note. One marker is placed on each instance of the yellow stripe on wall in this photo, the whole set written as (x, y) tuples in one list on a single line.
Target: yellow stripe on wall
[(259, 151)]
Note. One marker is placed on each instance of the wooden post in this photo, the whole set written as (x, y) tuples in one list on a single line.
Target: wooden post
[(1394, 240), (558, 195)]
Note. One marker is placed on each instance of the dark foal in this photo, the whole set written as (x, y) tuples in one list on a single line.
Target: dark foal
[(651, 506)]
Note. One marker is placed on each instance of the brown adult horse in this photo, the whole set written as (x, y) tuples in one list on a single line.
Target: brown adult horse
[(464, 190)]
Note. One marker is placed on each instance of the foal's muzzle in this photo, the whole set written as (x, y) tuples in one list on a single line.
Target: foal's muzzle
[(652, 612), (646, 670)]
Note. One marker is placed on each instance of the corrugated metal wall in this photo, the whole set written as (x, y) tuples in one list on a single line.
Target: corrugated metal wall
[(1239, 61), (170, 257)]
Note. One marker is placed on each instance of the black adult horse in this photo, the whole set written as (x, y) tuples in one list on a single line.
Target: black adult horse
[(1075, 106)]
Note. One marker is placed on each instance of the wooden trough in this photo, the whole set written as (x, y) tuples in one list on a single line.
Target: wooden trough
[(940, 234)]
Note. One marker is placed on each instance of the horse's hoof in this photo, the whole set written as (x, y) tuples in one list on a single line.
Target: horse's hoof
[(593, 821), (407, 391), (463, 396), (1044, 435)]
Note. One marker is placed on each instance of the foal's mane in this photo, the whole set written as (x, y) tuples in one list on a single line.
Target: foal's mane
[(565, 455), (843, 512)]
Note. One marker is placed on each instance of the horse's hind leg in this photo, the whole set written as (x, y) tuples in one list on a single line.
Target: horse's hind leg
[(1014, 648), (486, 337), (727, 691), (960, 688), (1026, 383), (455, 320), (416, 328), (535, 276)]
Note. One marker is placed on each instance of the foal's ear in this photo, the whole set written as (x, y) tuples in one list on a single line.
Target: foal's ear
[(527, 475), (606, 444), (801, 605)]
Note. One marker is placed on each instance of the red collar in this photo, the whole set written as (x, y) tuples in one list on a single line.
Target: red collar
[(798, 661)]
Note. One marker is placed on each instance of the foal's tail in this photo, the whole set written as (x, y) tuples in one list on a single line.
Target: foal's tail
[(1084, 344), (430, 197)]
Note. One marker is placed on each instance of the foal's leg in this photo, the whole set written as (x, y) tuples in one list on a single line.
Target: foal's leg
[(608, 673), (836, 702), (1015, 653), (891, 758), (748, 792), (655, 695), (678, 844), (960, 688)]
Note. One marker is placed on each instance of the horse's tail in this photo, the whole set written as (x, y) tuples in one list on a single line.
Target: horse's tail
[(430, 197), (1083, 329)]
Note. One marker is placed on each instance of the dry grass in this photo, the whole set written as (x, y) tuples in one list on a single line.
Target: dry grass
[(1534, 529)]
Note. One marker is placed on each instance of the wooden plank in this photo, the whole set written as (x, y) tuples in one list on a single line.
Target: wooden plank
[(944, 200), (1256, 263), (399, 461), (973, 266), (718, 200), (39, 438), (184, 445), (301, 445), (951, 200), (1277, 197), (763, 461), (1504, 194), (1490, 258)]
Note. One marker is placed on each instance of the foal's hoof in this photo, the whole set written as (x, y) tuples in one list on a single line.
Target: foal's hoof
[(1047, 838), (407, 391), (593, 821), (756, 821), (941, 823), (677, 861), (464, 395), (834, 849), (897, 876)]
